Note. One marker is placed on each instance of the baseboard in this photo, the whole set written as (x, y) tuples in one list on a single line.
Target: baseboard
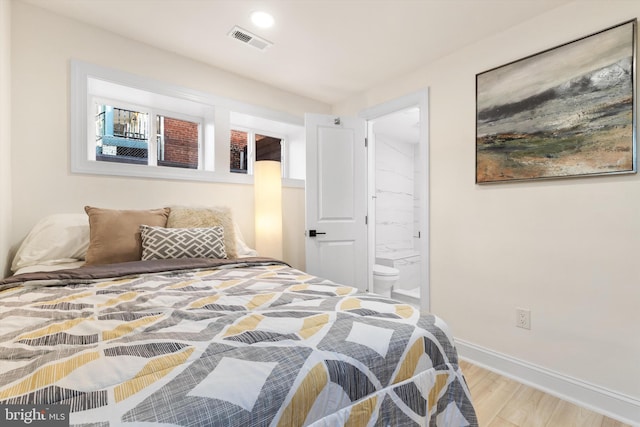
[(615, 405)]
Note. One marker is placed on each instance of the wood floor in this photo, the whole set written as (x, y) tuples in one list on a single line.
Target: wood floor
[(503, 402)]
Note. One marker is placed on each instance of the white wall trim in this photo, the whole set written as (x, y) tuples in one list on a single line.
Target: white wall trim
[(599, 399)]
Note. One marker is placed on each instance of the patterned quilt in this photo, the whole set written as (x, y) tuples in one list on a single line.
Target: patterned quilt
[(255, 343)]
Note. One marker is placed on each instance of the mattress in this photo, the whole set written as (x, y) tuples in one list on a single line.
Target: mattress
[(202, 342)]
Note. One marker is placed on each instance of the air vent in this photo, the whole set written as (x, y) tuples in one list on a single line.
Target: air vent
[(248, 38)]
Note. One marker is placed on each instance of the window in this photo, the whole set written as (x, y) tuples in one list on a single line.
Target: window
[(239, 151), (178, 142), (268, 148), (139, 128), (126, 125), (244, 142), (255, 138), (121, 135)]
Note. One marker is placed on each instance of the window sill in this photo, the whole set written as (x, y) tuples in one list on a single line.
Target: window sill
[(160, 172)]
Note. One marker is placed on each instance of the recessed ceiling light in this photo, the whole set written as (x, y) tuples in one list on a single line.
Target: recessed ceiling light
[(262, 19)]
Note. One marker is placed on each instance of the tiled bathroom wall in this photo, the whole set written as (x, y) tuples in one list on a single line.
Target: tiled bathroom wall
[(397, 177), (396, 203)]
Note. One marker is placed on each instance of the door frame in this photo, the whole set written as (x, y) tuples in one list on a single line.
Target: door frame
[(418, 99)]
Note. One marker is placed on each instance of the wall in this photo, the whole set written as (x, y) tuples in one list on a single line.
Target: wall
[(43, 44), (5, 135), (565, 249)]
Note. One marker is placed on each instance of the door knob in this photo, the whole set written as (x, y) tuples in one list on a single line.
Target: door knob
[(314, 233)]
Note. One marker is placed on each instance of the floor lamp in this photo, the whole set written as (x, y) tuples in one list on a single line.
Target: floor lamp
[(268, 208)]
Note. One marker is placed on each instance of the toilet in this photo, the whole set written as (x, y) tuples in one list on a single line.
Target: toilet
[(384, 278)]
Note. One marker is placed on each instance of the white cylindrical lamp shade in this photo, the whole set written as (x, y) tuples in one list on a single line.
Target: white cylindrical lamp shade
[(268, 208)]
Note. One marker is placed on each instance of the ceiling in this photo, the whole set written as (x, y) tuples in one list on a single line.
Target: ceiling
[(326, 50), (402, 126)]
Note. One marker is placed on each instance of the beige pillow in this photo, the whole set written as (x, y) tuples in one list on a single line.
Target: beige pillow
[(114, 235), (197, 217)]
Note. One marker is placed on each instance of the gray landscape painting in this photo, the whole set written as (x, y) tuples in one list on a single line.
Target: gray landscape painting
[(565, 112)]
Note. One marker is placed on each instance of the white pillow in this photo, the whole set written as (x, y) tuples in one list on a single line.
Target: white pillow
[(242, 249), (55, 239), (46, 267)]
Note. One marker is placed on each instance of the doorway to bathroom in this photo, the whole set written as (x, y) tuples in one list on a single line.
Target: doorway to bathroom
[(398, 197)]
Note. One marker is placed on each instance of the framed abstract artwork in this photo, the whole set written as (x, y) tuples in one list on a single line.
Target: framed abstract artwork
[(566, 112)]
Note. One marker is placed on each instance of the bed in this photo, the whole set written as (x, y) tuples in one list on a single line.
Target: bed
[(215, 341)]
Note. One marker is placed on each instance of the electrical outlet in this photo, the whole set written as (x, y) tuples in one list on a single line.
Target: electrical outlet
[(523, 318)]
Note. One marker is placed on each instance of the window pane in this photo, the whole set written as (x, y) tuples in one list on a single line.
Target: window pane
[(268, 148), (121, 135), (238, 161), (177, 142)]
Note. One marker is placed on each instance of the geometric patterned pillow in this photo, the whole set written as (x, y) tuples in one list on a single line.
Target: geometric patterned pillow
[(168, 243)]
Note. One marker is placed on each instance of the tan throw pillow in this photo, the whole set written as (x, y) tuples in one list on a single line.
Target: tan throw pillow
[(197, 217), (114, 235)]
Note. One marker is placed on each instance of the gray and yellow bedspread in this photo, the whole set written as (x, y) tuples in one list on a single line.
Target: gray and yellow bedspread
[(208, 343)]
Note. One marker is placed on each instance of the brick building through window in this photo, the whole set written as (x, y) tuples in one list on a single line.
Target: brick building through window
[(177, 143), (239, 149)]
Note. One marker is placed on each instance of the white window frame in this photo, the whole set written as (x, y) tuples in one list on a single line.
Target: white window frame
[(215, 127)]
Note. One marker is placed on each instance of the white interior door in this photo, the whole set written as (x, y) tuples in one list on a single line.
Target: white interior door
[(336, 199)]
